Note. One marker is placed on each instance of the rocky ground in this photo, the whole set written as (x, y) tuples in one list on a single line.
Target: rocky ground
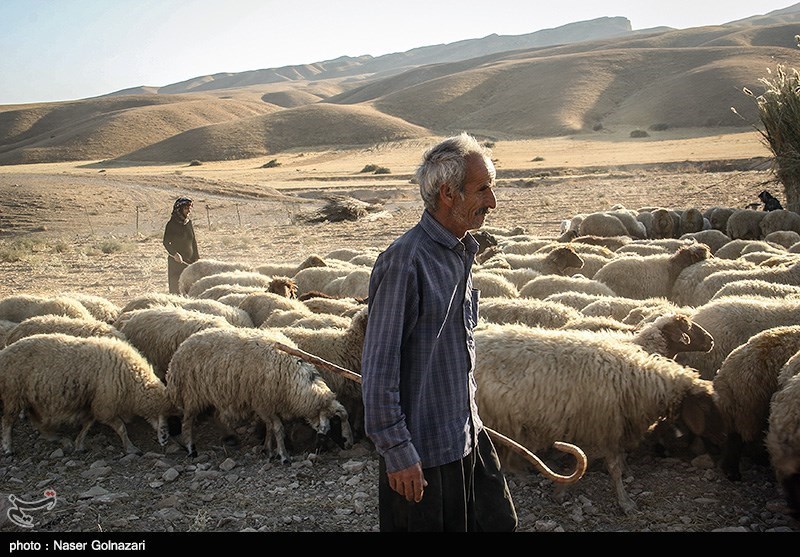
[(235, 489)]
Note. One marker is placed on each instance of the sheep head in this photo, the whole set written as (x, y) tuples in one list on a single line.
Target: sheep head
[(285, 286), (687, 255), (683, 335), (700, 413), (564, 258)]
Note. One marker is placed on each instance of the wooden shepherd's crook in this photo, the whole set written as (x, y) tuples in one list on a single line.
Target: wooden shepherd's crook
[(574, 450)]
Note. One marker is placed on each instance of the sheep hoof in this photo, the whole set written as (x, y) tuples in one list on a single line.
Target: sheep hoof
[(192, 452)]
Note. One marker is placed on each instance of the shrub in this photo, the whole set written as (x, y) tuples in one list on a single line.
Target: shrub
[(489, 144), (382, 170), (370, 168), (779, 111), (658, 127), (537, 159), (195, 162), (271, 164), (597, 127), (639, 133)]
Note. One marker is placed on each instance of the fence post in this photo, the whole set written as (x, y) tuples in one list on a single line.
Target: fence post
[(238, 215), (208, 217), (137, 221)]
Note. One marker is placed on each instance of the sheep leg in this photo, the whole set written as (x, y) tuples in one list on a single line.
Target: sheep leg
[(81, 438), (9, 417), (119, 426), (186, 433), (615, 465), (280, 436), (731, 456)]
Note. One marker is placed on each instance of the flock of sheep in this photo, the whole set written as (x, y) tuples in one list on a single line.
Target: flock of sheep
[(631, 325)]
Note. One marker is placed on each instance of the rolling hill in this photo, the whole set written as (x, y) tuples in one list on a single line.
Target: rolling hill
[(583, 78)]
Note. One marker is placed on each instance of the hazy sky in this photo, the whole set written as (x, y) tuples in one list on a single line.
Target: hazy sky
[(53, 50)]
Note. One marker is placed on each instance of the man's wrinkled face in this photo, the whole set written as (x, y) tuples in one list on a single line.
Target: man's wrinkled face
[(470, 209)]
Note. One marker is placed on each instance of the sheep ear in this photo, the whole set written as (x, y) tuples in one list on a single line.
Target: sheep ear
[(675, 333)]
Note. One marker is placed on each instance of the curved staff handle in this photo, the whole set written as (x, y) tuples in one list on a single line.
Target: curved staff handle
[(577, 452)]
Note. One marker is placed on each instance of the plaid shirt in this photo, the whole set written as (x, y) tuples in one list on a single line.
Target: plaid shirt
[(419, 351)]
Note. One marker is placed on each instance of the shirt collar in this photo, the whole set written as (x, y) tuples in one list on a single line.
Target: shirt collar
[(440, 234)]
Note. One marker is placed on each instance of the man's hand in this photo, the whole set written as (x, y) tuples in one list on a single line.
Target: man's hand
[(408, 482)]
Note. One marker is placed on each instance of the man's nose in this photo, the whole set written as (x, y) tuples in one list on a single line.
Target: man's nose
[(492, 199)]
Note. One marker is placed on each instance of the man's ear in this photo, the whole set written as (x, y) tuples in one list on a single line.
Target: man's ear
[(445, 195)]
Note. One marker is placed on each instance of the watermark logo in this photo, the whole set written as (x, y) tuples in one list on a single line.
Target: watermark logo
[(18, 513)]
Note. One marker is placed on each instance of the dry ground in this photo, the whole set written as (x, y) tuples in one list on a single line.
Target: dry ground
[(71, 227)]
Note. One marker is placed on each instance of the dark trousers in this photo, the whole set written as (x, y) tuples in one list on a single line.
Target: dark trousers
[(468, 495), (174, 270)]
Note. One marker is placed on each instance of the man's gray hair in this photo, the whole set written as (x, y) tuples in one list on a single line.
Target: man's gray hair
[(446, 163)]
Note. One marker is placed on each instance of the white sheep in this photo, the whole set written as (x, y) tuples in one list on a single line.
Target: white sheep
[(493, 285), (576, 300), (101, 308), (561, 261), (342, 347), (745, 224), (779, 220), (335, 306), (294, 318), (783, 434), (314, 279), (290, 269), (601, 224), (546, 285), (712, 283), (539, 386), (61, 324), (242, 278), (599, 323), (221, 290), (233, 315), (18, 307), (157, 332), (527, 311), (205, 267), (785, 238), (687, 281), (650, 276), (733, 249), (610, 243), (756, 287), (5, 328), (241, 373), (743, 388), (354, 285), (691, 221), (59, 379), (711, 237), (152, 299), (234, 298), (718, 217), (619, 307), (732, 321), (517, 277), (259, 305)]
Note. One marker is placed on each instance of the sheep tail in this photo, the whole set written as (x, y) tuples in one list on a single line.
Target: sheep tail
[(577, 452), (569, 448)]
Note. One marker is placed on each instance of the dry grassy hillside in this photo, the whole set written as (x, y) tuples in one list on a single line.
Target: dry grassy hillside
[(674, 79)]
